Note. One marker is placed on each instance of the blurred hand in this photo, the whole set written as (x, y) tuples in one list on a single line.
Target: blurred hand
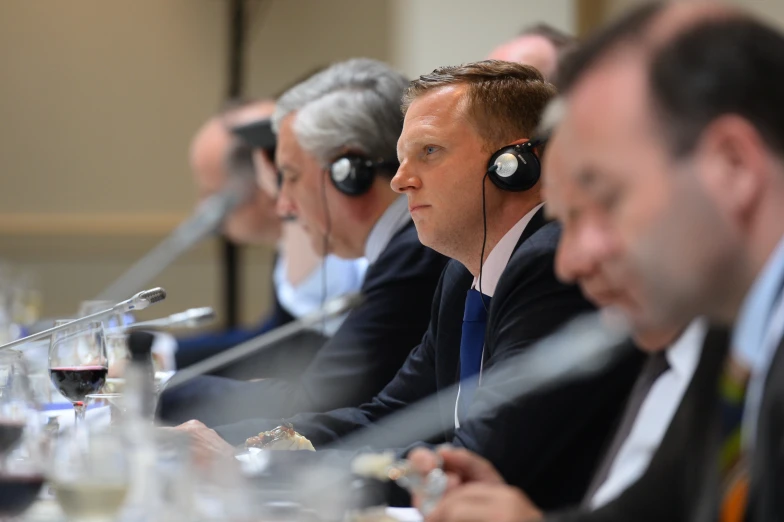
[(206, 444), (461, 467), (478, 501), (463, 464)]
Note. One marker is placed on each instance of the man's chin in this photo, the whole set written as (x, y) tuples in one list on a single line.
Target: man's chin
[(642, 322), (424, 234)]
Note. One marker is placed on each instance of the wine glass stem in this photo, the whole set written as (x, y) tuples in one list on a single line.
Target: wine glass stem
[(79, 411)]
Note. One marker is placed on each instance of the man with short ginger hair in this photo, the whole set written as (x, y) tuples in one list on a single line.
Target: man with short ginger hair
[(478, 322)]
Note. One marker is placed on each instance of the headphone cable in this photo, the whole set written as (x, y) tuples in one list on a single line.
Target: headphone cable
[(325, 248), (484, 235)]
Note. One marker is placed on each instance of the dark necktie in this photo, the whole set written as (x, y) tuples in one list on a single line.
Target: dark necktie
[(471, 346), (654, 367)]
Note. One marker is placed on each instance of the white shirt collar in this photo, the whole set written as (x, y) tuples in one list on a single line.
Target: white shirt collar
[(499, 257), (684, 354), (655, 414), (756, 311), (394, 218)]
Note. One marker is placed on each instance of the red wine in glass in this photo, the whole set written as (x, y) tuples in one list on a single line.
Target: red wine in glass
[(77, 362), (18, 492), (75, 383)]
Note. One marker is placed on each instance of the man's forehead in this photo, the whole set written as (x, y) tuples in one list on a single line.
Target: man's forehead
[(439, 111), (615, 89), (288, 149), (442, 102)]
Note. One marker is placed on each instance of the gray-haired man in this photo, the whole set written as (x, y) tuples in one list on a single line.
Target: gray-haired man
[(336, 151)]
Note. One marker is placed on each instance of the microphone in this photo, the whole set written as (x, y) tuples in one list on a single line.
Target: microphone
[(139, 301), (206, 219), (191, 318), (332, 308)]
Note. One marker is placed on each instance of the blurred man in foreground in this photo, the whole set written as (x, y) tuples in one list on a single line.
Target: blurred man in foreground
[(335, 167), (496, 298)]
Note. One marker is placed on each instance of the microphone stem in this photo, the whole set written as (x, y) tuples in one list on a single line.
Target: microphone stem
[(154, 262), (332, 308), (46, 333)]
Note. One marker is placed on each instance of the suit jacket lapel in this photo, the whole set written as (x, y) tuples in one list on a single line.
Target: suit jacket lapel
[(538, 220)]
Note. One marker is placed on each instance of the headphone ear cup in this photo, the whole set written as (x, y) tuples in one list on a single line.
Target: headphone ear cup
[(352, 175), (517, 168)]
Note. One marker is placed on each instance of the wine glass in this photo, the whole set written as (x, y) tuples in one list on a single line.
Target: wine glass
[(22, 476), (78, 364), (90, 481), (16, 404), (111, 405), (114, 332)]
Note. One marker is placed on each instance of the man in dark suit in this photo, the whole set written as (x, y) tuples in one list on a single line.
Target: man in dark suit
[(218, 159), (709, 183), (450, 134), (675, 123), (664, 386), (336, 184)]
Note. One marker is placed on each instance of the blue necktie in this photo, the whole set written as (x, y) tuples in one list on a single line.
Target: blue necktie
[(471, 345)]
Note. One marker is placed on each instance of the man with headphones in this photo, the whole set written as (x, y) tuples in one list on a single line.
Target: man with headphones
[(498, 295), (337, 133)]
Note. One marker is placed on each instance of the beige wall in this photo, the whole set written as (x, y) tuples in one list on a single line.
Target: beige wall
[(430, 33), (99, 100)]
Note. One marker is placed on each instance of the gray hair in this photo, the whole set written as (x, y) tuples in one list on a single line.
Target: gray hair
[(352, 105)]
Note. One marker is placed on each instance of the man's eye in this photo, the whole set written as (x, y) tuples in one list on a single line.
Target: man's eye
[(609, 199), (430, 149), (290, 179)]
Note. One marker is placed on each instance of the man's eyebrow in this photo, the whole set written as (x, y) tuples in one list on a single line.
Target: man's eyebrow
[(586, 177), (283, 168)]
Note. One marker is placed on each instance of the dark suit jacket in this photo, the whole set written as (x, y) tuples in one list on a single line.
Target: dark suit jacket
[(363, 355), (547, 444), (682, 469), (766, 500)]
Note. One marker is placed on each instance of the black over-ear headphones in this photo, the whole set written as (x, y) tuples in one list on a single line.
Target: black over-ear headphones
[(353, 174), (515, 167)]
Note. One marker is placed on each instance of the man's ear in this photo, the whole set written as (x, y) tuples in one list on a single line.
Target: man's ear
[(733, 162)]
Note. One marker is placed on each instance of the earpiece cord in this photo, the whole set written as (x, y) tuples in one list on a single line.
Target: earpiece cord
[(484, 235), (324, 251)]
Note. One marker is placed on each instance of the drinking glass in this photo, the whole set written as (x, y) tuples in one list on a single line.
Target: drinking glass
[(78, 363), (90, 481), (22, 476), (110, 404), (16, 404), (114, 332)]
